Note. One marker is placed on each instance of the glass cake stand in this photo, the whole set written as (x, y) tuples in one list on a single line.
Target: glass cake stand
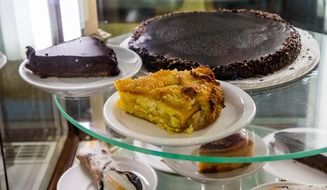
[(289, 123), (281, 144)]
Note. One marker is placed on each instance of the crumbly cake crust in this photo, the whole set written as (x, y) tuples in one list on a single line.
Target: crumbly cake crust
[(260, 66), (192, 99)]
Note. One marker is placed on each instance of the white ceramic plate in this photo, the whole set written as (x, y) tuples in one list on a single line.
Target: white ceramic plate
[(189, 168), (315, 139), (239, 110), (307, 60), (268, 186), (129, 64), (77, 177), (3, 60), (294, 171), (154, 161)]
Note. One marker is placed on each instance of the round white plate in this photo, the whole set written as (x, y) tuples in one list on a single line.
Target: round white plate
[(154, 161), (292, 170), (189, 168), (268, 186), (315, 139), (239, 110), (77, 177), (307, 60), (3, 60), (129, 64)]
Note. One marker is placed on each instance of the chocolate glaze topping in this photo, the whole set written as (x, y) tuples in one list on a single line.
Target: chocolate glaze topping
[(229, 41), (232, 37), (85, 56), (225, 143)]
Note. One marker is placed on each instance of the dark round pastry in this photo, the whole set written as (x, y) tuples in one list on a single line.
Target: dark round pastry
[(234, 43), (235, 145)]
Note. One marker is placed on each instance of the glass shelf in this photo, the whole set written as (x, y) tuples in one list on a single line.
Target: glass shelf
[(86, 115)]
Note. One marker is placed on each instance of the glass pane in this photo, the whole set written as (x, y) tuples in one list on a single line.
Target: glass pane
[(33, 131)]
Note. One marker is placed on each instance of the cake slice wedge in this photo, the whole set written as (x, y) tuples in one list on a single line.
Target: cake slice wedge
[(83, 57), (96, 157), (177, 101)]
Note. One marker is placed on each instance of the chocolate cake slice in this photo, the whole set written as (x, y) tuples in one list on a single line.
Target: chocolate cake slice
[(82, 57), (234, 43), (294, 142)]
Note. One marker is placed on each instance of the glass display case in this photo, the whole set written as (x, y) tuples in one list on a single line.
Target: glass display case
[(42, 127)]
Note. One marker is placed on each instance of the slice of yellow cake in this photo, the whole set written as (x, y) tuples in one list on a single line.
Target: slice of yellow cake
[(178, 101)]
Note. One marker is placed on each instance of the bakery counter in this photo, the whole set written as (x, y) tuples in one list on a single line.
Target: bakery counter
[(271, 126)]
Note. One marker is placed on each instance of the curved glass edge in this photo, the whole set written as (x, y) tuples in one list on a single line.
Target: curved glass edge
[(196, 158), (3, 60)]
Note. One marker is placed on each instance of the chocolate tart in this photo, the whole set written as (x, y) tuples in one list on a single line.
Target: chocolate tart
[(235, 44), (82, 57)]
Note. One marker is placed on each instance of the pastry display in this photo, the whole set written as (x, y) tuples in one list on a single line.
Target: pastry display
[(235, 145), (299, 187), (82, 57), (177, 101), (95, 156), (292, 142), (236, 44)]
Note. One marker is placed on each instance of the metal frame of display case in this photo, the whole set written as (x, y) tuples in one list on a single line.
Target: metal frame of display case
[(3, 167)]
